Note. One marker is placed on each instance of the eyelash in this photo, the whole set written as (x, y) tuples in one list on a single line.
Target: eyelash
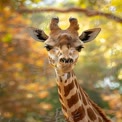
[(48, 47), (79, 48)]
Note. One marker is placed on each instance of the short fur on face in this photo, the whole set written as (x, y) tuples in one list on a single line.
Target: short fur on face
[(63, 46)]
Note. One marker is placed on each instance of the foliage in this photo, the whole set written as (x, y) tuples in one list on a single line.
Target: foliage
[(28, 90)]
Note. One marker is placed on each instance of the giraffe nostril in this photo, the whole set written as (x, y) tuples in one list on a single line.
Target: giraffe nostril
[(64, 60), (71, 60)]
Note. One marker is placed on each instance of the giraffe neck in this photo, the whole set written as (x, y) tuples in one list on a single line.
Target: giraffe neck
[(76, 105)]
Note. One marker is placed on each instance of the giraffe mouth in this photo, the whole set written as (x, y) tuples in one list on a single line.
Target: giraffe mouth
[(65, 67), (66, 64)]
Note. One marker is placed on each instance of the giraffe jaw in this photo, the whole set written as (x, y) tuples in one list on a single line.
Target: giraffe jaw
[(64, 68)]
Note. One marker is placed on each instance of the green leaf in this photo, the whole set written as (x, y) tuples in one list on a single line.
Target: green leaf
[(7, 38)]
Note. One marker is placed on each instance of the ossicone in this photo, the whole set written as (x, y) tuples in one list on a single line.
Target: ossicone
[(73, 24), (54, 24)]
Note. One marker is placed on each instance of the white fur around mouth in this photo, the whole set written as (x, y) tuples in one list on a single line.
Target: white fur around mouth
[(65, 67)]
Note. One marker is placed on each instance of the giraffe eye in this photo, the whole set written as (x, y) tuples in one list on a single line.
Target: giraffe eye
[(48, 47), (79, 48)]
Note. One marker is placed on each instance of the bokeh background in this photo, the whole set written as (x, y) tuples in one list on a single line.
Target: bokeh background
[(28, 91)]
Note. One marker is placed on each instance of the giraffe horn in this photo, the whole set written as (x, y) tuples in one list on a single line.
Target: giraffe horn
[(73, 24), (54, 24)]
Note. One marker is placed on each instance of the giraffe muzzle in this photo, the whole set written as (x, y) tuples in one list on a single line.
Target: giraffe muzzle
[(64, 60)]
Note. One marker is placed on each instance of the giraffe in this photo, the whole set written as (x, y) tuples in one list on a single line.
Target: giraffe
[(63, 47)]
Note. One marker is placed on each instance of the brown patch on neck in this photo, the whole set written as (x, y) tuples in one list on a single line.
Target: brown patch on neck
[(100, 120), (73, 100), (68, 88), (78, 114), (91, 114), (60, 79), (65, 81)]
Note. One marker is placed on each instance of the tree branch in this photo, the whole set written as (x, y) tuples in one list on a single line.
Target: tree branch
[(87, 12)]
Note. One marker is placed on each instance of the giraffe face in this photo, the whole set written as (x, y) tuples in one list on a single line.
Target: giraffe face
[(63, 46), (63, 50)]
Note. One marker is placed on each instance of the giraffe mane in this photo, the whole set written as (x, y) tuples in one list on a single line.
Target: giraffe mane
[(99, 110)]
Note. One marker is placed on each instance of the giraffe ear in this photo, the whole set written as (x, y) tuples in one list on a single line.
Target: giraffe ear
[(89, 35), (37, 34)]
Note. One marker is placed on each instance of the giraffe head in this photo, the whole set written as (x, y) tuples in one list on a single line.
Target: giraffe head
[(63, 46)]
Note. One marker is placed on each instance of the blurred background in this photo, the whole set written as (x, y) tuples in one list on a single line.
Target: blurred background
[(28, 91)]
